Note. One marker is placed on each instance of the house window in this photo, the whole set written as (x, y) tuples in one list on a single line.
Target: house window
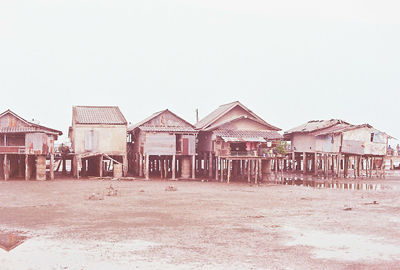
[(91, 139), (372, 137)]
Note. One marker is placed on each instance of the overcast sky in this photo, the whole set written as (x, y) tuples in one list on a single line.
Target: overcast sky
[(288, 61)]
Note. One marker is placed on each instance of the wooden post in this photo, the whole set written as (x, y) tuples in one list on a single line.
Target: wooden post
[(229, 170), (326, 165), (371, 167), (210, 166), (166, 167), (124, 165), (147, 167), (193, 166), (222, 169), (51, 166), (6, 171), (76, 167), (101, 165), (173, 167), (338, 165), (256, 174), (293, 161), (315, 164), (27, 168), (249, 170), (304, 162), (140, 164), (217, 163)]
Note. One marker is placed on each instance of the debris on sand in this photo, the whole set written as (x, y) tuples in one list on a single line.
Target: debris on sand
[(348, 209), (100, 178), (260, 216), (171, 188), (127, 178), (96, 196), (374, 202), (142, 190), (111, 191)]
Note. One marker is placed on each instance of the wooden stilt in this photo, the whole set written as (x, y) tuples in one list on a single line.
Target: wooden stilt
[(217, 164), (147, 167), (256, 174), (6, 171), (210, 165), (27, 168), (315, 163), (193, 166), (222, 169), (140, 164), (51, 166), (248, 170), (293, 161), (173, 167), (229, 171)]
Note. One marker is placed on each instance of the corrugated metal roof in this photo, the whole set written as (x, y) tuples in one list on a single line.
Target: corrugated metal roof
[(110, 115), (207, 121), (331, 130), (315, 125), (25, 130), (30, 127), (268, 134), (180, 125)]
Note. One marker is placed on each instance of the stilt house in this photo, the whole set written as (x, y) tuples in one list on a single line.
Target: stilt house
[(98, 139), (335, 146), (24, 147), (233, 138), (163, 145)]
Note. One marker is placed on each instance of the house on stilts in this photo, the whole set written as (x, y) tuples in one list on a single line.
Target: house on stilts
[(162, 145), (98, 140), (25, 147), (336, 148), (234, 142)]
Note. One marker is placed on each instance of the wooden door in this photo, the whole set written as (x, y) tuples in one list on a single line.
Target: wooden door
[(185, 146)]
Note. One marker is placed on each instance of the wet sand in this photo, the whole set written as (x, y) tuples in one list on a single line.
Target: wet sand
[(201, 225)]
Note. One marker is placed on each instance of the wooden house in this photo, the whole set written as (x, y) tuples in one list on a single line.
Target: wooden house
[(333, 146), (163, 145), (98, 140), (233, 138), (24, 147)]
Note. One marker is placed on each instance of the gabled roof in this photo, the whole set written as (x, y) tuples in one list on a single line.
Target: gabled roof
[(327, 127), (315, 125), (181, 126), (108, 115), (211, 118), (339, 128), (235, 119), (29, 128)]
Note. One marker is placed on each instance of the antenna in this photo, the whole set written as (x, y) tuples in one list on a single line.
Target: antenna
[(197, 115)]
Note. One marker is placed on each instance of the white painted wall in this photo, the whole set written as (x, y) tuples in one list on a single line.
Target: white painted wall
[(111, 139), (303, 143)]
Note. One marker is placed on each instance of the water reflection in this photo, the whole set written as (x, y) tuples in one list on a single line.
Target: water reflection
[(328, 184)]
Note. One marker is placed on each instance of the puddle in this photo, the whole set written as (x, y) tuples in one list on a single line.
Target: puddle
[(10, 240), (331, 184), (344, 246)]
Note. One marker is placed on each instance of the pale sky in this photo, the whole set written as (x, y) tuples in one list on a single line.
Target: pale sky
[(288, 61)]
